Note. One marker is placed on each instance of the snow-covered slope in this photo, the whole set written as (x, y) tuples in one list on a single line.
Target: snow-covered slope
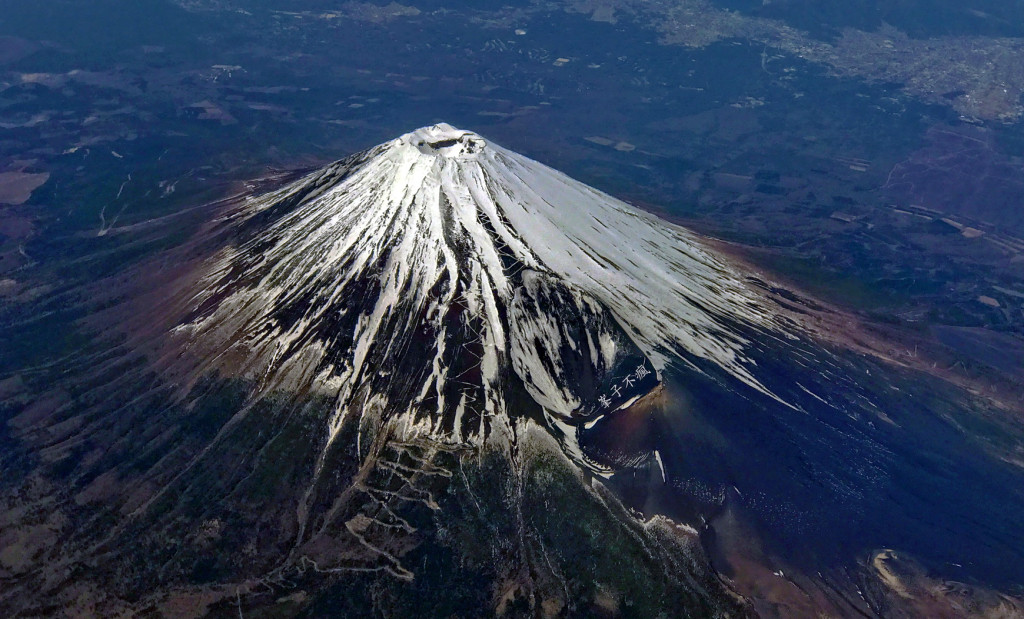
[(428, 281)]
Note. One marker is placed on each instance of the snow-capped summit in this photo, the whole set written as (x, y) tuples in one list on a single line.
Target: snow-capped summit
[(445, 140), (427, 283)]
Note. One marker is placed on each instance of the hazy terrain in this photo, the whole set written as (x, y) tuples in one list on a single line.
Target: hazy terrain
[(861, 163)]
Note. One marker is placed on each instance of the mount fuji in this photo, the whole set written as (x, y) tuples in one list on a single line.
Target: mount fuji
[(420, 283), (440, 378)]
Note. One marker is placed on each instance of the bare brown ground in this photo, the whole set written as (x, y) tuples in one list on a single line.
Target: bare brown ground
[(17, 187), (893, 344)]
